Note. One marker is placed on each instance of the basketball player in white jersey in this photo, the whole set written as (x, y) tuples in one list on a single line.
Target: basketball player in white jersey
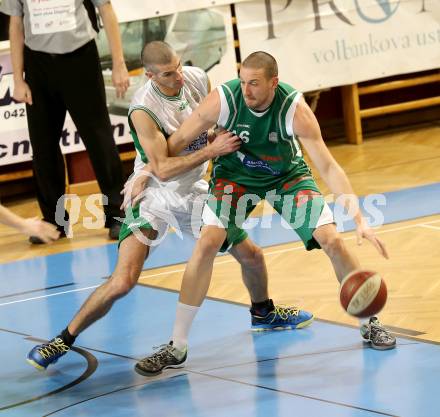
[(174, 196)]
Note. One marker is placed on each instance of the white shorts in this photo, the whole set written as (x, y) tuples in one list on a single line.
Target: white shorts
[(162, 208)]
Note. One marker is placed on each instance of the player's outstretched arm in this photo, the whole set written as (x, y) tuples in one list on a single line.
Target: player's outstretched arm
[(201, 119), (31, 227), (307, 128), (155, 147)]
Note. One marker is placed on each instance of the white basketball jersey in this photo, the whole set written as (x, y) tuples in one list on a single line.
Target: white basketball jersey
[(169, 113)]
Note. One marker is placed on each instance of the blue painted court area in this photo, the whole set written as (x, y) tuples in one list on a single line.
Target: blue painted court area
[(323, 370)]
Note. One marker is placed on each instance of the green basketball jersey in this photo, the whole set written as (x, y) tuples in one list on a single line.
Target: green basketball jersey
[(270, 153)]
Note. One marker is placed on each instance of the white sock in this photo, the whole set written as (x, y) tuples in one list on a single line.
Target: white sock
[(364, 320), (184, 317)]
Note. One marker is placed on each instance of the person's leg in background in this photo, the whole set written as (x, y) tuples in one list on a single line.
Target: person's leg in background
[(86, 103), (45, 122)]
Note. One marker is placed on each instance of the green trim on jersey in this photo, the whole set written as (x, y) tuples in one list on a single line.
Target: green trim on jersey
[(171, 98), (232, 106), (268, 154), (284, 107), (133, 132)]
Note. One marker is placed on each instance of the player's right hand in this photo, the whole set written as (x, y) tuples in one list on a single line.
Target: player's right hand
[(22, 92), (225, 143), (363, 231), (120, 79)]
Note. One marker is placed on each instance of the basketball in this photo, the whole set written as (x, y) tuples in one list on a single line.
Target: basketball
[(363, 293)]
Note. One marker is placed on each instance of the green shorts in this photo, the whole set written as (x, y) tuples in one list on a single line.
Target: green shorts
[(134, 221), (298, 201)]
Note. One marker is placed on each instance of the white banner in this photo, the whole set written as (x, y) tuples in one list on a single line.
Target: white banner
[(202, 38), (14, 137), (326, 43), (129, 10)]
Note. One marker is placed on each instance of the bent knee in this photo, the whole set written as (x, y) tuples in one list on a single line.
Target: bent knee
[(210, 240), (120, 286), (250, 256), (208, 246)]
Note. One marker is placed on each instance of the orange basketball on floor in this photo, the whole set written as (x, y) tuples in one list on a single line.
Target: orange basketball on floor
[(363, 293)]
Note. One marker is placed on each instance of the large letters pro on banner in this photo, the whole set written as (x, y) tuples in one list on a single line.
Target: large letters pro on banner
[(327, 43)]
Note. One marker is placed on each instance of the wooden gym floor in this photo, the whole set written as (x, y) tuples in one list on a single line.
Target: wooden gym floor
[(323, 370), (387, 163)]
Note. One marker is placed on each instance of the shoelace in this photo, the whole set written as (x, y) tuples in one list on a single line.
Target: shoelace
[(285, 312), (53, 348), (163, 352), (378, 332)]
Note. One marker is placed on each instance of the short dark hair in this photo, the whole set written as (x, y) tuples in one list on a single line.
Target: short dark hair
[(156, 53), (261, 59)]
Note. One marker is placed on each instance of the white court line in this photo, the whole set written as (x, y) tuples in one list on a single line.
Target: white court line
[(275, 252), (222, 262), (428, 226), (48, 295)]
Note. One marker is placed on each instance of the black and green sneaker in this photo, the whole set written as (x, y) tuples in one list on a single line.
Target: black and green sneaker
[(166, 356), (377, 335)]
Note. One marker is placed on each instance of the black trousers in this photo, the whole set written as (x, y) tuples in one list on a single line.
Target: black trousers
[(71, 82)]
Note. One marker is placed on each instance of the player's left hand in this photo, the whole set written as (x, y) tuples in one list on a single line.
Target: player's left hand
[(133, 190), (212, 134), (35, 227), (224, 143), (120, 79), (363, 231)]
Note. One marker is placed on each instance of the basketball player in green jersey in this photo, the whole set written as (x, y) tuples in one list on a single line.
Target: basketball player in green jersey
[(175, 197), (271, 118)]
